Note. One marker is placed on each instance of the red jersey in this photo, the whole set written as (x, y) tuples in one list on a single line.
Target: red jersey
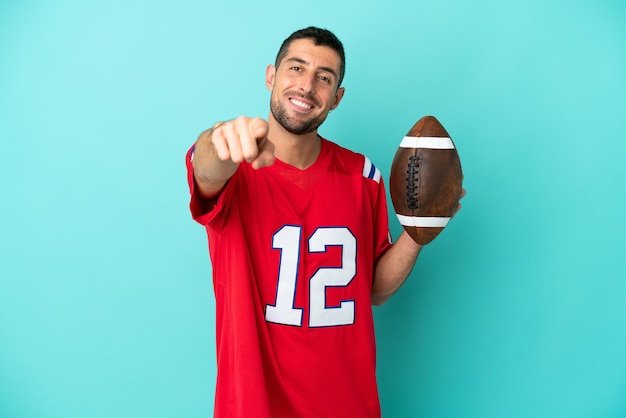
[(293, 254)]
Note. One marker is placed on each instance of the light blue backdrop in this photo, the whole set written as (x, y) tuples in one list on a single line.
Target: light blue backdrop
[(517, 310)]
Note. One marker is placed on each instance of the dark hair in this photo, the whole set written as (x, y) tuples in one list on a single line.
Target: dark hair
[(321, 37)]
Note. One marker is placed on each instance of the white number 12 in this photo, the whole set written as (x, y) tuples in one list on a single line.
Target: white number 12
[(287, 240)]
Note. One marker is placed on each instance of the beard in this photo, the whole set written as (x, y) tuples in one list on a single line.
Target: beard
[(295, 126)]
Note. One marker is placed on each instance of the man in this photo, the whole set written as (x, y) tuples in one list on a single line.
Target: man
[(300, 248)]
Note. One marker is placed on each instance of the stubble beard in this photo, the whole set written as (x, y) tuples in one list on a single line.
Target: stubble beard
[(296, 127)]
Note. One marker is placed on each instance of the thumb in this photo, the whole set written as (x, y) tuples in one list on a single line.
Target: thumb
[(266, 154)]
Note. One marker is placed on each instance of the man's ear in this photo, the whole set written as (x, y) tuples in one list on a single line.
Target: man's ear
[(338, 96), (270, 75)]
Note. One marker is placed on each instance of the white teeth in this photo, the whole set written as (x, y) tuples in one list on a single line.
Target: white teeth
[(301, 104)]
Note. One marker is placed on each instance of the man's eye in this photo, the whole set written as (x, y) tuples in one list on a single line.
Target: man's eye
[(295, 68), (325, 79)]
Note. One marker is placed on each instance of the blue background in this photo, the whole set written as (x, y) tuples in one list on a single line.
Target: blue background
[(517, 310)]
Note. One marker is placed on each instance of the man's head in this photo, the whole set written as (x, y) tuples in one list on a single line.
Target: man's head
[(305, 82), (320, 37)]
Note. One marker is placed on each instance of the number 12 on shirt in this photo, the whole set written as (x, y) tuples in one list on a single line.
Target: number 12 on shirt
[(287, 240)]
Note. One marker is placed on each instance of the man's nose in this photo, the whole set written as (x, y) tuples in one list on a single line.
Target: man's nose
[(307, 83)]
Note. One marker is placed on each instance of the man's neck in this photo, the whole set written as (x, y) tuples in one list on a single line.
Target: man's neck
[(300, 151)]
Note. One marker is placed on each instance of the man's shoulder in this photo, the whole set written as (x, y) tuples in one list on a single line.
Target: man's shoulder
[(351, 161)]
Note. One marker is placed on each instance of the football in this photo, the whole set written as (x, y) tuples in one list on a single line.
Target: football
[(426, 179)]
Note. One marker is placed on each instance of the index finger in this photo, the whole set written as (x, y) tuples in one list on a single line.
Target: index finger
[(259, 128), (249, 130)]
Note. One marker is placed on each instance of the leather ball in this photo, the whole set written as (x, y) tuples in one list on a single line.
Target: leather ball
[(426, 179)]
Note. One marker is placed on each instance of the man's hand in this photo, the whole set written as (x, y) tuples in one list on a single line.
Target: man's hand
[(221, 149), (243, 139)]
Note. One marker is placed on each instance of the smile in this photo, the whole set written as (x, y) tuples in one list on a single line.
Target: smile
[(300, 104)]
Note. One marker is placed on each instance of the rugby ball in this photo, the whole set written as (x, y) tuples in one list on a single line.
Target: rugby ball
[(426, 179)]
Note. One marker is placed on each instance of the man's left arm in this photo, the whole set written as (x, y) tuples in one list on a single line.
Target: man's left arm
[(393, 268), (395, 265)]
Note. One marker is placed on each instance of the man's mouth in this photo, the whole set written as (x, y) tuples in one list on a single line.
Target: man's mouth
[(301, 104)]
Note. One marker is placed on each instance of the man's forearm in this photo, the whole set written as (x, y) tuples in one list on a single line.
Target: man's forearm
[(393, 268)]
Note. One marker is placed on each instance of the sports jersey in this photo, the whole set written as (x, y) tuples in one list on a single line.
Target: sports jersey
[(293, 253)]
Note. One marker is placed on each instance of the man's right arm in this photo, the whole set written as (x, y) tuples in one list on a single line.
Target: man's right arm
[(220, 150)]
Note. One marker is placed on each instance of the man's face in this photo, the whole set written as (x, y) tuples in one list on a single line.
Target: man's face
[(304, 86)]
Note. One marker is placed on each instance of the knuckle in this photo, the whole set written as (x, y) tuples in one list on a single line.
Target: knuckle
[(241, 122)]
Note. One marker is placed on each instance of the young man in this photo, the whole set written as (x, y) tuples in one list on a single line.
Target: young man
[(299, 245)]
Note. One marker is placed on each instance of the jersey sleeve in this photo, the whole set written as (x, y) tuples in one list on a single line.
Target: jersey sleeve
[(382, 236), (205, 211)]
